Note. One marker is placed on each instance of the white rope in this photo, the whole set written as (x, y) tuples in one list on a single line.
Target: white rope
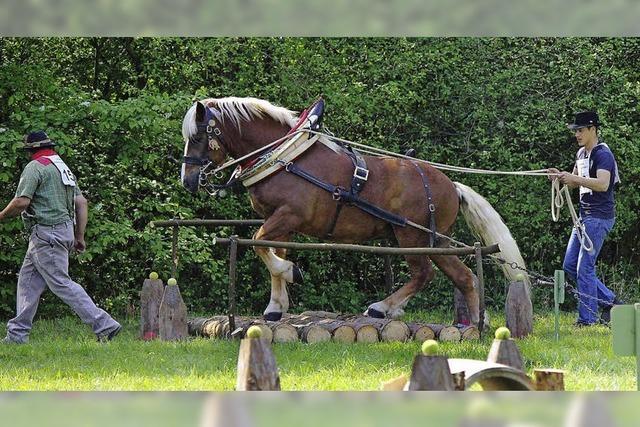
[(560, 196), (557, 199)]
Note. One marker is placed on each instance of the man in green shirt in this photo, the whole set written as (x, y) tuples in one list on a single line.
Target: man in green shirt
[(51, 203)]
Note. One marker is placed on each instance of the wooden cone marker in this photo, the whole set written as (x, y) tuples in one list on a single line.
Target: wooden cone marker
[(173, 314), (150, 299), (549, 379), (257, 368), (518, 310), (430, 371), (504, 350)]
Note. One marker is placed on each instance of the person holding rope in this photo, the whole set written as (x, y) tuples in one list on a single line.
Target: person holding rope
[(596, 173), (50, 203)]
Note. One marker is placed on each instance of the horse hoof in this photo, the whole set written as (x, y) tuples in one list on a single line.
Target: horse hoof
[(298, 277), (273, 316), (372, 312)]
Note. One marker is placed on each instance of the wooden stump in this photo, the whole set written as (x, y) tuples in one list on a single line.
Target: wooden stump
[(590, 410), (150, 299), (549, 379), (389, 330), (257, 369), (312, 333), (468, 333), (505, 352), (218, 327), (430, 373), (225, 410), (365, 333), (518, 310), (283, 332), (445, 333), (173, 315), (421, 333)]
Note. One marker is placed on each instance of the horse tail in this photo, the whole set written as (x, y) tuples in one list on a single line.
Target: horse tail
[(485, 222)]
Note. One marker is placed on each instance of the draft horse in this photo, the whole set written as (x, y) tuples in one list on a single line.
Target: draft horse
[(215, 129)]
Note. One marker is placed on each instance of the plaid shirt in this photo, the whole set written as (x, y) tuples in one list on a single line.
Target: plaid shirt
[(51, 201)]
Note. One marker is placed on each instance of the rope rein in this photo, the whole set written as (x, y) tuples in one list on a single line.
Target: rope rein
[(559, 196)]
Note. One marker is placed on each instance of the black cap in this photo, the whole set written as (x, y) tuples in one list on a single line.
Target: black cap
[(37, 139), (585, 119)]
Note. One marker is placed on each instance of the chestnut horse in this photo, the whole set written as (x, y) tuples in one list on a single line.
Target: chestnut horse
[(215, 129)]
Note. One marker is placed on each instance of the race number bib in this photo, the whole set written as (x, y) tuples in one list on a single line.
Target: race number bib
[(583, 170), (67, 176)]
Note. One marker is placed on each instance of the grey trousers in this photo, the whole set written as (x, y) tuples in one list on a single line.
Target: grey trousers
[(46, 264)]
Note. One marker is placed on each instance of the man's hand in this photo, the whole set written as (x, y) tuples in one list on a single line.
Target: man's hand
[(552, 174), (569, 179), (79, 244)]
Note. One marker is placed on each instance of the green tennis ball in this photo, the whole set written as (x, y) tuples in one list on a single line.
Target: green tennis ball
[(503, 333), (153, 275), (172, 282), (254, 332), (520, 277), (430, 347)]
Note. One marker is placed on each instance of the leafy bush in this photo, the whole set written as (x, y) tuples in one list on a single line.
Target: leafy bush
[(115, 106)]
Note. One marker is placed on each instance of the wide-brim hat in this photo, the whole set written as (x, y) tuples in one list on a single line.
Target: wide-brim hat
[(37, 139), (585, 119)]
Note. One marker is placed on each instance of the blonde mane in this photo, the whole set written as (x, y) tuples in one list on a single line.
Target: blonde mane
[(239, 109)]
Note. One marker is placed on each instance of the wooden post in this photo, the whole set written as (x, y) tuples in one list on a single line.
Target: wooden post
[(173, 315), (590, 410), (150, 300), (225, 410), (480, 274), (431, 373), (174, 253), (233, 255), (257, 369), (558, 298), (549, 379), (505, 352), (518, 310)]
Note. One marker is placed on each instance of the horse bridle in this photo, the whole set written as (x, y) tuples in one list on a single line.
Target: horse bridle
[(216, 141)]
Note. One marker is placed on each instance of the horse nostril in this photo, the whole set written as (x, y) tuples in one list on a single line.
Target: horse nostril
[(190, 182)]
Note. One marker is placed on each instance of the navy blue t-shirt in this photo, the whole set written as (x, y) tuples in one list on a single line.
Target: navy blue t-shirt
[(599, 204)]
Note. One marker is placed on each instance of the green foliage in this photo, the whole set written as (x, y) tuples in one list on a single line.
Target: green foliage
[(115, 106)]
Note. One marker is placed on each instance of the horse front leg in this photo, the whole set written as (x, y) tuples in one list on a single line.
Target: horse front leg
[(281, 270), (393, 306)]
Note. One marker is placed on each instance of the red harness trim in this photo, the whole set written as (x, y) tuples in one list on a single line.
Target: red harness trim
[(249, 163), (39, 156)]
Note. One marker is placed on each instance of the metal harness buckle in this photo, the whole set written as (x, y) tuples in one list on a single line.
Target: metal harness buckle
[(361, 173)]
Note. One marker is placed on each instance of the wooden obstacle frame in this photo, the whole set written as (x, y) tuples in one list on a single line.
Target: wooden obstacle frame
[(234, 241)]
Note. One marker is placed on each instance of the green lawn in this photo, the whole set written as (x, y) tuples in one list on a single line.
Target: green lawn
[(63, 355)]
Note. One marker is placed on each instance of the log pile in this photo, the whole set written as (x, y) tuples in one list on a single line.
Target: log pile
[(321, 326)]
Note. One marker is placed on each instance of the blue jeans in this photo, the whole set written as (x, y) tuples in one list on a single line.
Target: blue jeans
[(580, 266)]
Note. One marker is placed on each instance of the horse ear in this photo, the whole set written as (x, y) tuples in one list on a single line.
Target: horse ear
[(200, 112)]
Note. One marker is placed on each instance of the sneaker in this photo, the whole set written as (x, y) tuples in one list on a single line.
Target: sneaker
[(7, 340), (605, 316), (580, 324), (110, 335)]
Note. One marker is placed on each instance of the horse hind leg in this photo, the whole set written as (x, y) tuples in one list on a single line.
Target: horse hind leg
[(464, 279), (393, 306)]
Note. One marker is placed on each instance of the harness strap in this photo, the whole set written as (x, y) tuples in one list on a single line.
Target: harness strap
[(339, 194), (432, 207), (360, 177)]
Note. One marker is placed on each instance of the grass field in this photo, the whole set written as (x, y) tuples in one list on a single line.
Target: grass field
[(63, 355)]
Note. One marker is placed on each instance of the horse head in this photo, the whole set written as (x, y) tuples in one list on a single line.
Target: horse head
[(214, 129), (204, 144)]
